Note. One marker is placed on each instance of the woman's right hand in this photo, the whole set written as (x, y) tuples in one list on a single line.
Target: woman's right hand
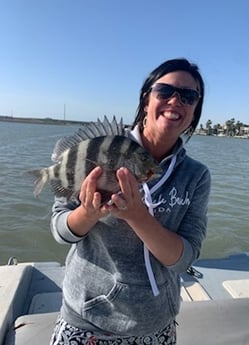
[(90, 199), (84, 217)]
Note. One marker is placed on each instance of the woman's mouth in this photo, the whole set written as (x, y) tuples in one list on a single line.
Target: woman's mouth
[(171, 115)]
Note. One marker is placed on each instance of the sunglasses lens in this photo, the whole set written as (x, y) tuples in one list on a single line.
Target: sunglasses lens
[(166, 91), (188, 96)]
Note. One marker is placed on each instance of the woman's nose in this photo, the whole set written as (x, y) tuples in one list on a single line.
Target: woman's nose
[(175, 98)]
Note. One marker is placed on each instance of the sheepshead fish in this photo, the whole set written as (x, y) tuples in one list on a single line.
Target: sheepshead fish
[(101, 144)]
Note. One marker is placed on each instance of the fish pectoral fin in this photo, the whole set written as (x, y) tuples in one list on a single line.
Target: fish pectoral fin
[(60, 191), (97, 164), (90, 161)]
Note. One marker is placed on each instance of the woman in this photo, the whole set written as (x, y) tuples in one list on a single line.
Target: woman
[(122, 281)]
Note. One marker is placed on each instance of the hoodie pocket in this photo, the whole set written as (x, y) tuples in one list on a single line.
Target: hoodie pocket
[(130, 309), (104, 301)]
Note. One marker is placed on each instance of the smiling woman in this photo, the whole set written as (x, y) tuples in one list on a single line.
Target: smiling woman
[(153, 80), (169, 115), (122, 281)]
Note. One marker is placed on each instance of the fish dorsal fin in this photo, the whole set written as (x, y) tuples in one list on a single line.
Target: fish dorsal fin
[(101, 128), (88, 131), (62, 145)]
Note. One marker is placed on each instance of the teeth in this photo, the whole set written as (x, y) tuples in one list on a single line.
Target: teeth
[(171, 116)]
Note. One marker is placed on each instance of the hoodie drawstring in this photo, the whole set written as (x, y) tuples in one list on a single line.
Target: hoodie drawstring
[(151, 206)]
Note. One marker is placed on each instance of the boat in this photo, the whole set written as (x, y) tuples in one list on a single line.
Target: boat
[(214, 308)]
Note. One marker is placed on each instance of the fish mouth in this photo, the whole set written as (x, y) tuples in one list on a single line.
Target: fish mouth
[(154, 174)]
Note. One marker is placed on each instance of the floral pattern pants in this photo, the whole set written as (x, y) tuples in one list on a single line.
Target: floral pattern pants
[(65, 334)]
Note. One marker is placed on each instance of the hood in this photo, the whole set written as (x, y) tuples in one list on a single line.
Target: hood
[(178, 150)]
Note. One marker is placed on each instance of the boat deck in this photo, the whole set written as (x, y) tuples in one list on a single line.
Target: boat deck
[(222, 278), (218, 312)]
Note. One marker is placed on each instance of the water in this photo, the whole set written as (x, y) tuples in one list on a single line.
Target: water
[(24, 220)]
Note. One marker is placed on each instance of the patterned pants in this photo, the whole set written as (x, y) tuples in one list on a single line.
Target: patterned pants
[(65, 334)]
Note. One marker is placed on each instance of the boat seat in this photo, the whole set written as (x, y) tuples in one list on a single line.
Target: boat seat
[(33, 329), (237, 288), (15, 280), (193, 291), (46, 302), (214, 322), (36, 327)]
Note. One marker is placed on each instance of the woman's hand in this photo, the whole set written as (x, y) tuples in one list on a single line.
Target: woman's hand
[(127, 204), (165, 245), (84, 217), (90, 199)]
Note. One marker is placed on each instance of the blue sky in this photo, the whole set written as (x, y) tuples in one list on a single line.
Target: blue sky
[(93, 55)]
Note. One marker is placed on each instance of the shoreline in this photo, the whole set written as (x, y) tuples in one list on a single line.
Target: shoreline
[(40, 121), (51, 121)]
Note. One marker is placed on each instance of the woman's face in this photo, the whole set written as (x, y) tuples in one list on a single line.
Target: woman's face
[(170, 117)]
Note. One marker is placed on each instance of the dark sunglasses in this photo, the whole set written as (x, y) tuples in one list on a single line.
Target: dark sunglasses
[(166, 91)]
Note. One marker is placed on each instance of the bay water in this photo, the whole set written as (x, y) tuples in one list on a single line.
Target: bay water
[(24, 220)]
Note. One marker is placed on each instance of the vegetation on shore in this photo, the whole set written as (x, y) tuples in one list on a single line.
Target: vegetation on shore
[(230, 128)]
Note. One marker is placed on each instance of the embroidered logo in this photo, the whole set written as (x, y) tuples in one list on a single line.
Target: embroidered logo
[(172, 200)]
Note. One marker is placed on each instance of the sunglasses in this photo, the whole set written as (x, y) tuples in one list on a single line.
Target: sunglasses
[(166, 91)]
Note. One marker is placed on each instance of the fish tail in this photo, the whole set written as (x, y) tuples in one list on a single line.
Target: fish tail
[(40, 177)]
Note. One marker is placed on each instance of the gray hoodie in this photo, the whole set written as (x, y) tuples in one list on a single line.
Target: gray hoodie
[(106, 286)]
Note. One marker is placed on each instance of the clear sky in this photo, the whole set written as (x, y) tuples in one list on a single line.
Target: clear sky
[(93, 55)]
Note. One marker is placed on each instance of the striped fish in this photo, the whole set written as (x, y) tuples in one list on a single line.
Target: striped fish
[(101, 144)]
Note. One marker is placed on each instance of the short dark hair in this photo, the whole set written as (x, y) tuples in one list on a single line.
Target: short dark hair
[(165, 68)]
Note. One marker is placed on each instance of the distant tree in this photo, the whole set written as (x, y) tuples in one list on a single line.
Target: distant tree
[(215, 129), (238, 126), (230, 127), (220, 128), (209, 127)]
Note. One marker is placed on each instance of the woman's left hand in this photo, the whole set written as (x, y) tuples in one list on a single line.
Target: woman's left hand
[(127, 204), (165, 245)]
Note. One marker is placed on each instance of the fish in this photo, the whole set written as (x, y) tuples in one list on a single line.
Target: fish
[(101, 143)]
